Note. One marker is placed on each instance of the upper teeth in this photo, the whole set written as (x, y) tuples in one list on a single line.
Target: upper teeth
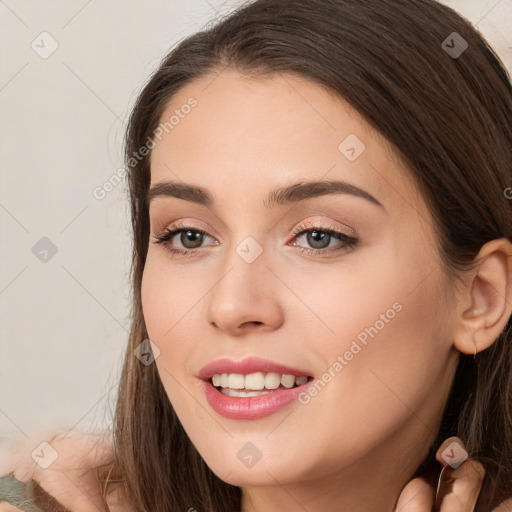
[(257, 381)]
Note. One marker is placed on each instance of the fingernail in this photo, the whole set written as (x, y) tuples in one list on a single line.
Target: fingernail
[(455, 454)]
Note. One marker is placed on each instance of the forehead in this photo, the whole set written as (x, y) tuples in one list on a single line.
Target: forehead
[(247, 136)]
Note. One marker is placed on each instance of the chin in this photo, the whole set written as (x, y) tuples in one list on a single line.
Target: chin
[(249, 477)]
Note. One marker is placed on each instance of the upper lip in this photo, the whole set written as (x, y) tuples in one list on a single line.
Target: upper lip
[(246, 366)]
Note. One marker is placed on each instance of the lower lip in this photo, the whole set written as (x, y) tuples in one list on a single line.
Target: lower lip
[(251, 407)]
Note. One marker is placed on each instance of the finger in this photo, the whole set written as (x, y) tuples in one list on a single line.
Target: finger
[(416, 496), (462, 487), (452, 452), (462, 478)]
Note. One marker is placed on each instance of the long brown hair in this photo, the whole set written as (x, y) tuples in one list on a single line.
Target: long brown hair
[(448, 116)]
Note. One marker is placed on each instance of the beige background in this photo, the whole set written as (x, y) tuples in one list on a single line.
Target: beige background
[(64, 322)]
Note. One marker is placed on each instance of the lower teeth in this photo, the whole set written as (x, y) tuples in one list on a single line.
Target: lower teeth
[(242, 393), (245, 392)]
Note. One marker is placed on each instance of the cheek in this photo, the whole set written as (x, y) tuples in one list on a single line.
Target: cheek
[(153, 301), (381, 330), (169, 318), (162, 312), (401, 366), (391, 372), (168, 301)]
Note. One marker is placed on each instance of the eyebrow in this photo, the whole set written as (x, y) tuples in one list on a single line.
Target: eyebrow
[(278, 196)]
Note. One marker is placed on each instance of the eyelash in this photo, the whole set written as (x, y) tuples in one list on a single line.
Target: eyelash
[(170, 232)]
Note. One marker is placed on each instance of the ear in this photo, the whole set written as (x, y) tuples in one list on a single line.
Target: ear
[(486, 302)]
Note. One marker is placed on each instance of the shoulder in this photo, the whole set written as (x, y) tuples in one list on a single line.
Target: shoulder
[(67, 467)]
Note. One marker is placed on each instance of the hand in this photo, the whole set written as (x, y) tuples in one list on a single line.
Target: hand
[(458, 491)]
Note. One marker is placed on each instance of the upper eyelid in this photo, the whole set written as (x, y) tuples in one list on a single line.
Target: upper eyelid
[(154, 213), (327, 225)]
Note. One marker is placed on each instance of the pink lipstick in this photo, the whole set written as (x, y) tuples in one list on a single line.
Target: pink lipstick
[(252, 388)]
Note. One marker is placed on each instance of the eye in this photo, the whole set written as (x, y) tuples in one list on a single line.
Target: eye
[(190, 237), (318, 237)]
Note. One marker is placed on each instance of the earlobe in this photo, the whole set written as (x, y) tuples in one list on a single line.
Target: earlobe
[(489, 295)]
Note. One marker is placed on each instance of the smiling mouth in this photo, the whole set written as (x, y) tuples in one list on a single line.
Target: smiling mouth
[(256, 384)]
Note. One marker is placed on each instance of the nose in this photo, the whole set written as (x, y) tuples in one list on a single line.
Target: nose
[(245, 298)]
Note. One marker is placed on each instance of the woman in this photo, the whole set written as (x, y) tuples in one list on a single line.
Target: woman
[(322, 266)]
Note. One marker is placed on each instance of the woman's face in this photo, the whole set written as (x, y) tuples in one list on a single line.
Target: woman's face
[(369, 323)]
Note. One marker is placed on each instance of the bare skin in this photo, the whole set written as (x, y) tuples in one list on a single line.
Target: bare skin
[(356, 444), (72, 480)]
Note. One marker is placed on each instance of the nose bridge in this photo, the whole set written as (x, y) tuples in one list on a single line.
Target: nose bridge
[(244, 291), (247, 239)]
